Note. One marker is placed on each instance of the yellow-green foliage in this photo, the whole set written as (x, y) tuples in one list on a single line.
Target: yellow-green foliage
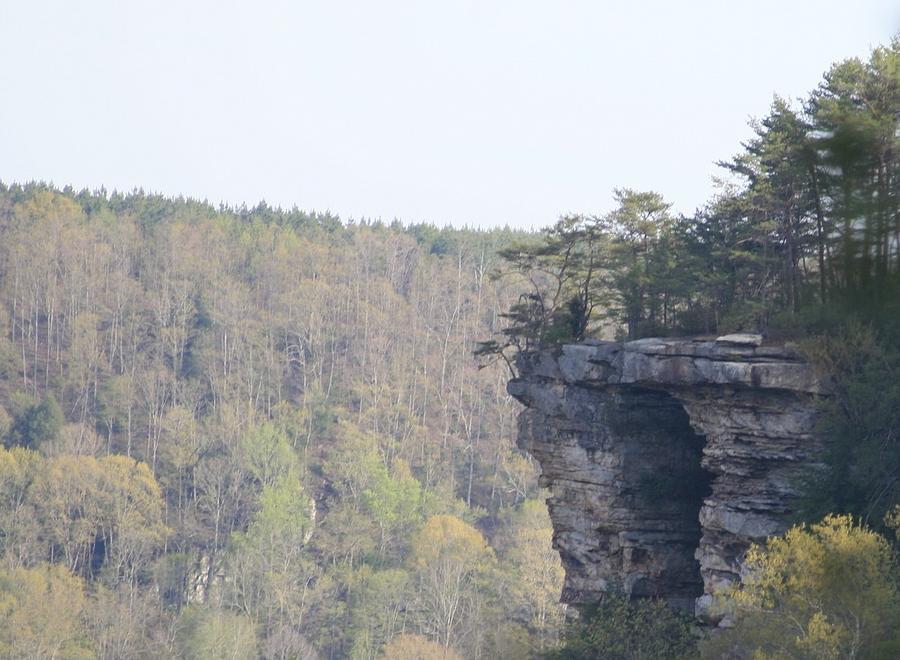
[(60, 509), (209, 634), (447, 541), (535, 572), (829, 590), (42, 613), (449, 559)]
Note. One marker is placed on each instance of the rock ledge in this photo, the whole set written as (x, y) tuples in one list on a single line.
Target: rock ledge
[(666, 458)]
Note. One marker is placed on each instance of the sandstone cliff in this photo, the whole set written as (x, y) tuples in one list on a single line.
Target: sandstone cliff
[(666, 458)]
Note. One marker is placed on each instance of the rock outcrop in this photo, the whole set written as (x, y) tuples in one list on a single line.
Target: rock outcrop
[(666, 458)]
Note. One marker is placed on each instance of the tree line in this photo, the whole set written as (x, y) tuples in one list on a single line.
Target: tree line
[(805, 223)]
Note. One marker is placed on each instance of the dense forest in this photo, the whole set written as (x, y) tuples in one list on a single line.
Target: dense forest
[(261, 423), (233, 432)]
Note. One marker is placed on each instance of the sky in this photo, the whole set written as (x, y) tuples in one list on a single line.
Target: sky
[(480, 113)]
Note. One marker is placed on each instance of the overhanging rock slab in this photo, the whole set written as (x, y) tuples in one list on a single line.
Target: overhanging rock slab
[(666, 458)]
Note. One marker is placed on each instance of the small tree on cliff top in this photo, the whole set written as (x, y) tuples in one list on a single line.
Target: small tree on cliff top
[(563, 281)]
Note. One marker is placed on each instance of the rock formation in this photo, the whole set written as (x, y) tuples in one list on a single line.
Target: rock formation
[(666, 458)]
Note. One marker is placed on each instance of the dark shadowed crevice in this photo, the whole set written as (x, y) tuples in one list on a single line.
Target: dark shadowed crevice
[(667, 484)]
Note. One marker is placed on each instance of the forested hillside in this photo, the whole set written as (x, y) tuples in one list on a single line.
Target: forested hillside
[(263, 433), (257, 428)]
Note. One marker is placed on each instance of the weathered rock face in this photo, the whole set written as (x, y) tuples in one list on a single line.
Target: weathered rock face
[(666, 458)]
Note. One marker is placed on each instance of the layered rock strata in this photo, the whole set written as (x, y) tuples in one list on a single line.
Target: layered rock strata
[(666, 458)]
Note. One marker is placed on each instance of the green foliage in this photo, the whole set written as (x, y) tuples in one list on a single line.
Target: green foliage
[(5, 422), (807, 219), (280, 400), (396, 502), (892, 520), (378, 601), (37, 424), (641, 261), (560, 275), (617, 629), (860, 424), (209, 634), (271, 573), (267, 455), (283, 517)]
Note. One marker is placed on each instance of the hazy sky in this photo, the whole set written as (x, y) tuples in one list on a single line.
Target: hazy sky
[(462, 112)]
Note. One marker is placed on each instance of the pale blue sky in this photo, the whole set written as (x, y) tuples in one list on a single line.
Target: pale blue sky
[(452, 112)]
